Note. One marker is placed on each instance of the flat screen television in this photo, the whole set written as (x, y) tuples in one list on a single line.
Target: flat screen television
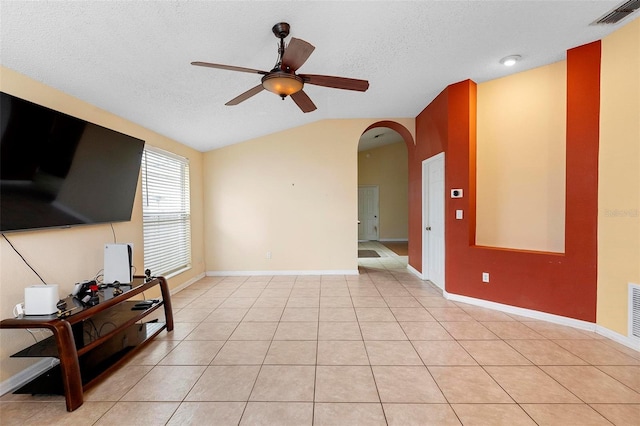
[(58, 171)]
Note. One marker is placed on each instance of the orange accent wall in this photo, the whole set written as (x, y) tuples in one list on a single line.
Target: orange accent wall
[(560, 284), (431, 139)]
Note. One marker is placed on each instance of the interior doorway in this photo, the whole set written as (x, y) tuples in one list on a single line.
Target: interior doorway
[(368, 212), (383, 167), (383, 163), (433, 250)]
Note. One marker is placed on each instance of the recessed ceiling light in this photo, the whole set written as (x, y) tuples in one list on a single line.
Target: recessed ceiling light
[(509, 61)]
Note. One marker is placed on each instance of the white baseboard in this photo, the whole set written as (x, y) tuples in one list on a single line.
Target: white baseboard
[(523, 312), (619, 338), (188, 283), (415, 272), (255, 273), (25, 376), (556, 319)]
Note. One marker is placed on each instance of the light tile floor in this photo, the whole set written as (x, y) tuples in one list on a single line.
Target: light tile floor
[(379, 348)]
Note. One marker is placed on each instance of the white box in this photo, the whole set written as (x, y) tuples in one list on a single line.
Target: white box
[(41, 299), (117, 263)]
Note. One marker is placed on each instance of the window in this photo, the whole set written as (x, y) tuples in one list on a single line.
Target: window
[(165, 212)]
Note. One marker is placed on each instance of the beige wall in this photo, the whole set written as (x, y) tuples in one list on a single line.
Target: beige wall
[(67, 256), (521, 160), (619, 176), (292, 193), (388, 168)]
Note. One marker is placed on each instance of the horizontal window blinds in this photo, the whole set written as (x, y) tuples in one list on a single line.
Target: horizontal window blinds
[(165, 211)]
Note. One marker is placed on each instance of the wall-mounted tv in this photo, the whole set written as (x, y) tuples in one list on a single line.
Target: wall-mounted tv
[(57, 170)]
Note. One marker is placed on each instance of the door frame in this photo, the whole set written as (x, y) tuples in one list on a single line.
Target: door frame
[(425, 194)]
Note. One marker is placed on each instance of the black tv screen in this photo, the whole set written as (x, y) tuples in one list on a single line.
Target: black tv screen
[(57, 170)]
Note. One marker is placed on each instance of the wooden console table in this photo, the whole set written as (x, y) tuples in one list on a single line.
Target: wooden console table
[(91, 341)]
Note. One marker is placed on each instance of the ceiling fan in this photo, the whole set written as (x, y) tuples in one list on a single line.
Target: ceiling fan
[(283, 80)]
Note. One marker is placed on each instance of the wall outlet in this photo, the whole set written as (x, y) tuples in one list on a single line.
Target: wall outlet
[(485, 277), (268, 255)]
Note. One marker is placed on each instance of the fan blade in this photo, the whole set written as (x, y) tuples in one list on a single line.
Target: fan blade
[(296, 54), (336, 82), (246, 95), (303, 101), (228, 67)]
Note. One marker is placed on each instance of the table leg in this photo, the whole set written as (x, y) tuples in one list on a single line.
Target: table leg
[(69, 365), (166, 298)]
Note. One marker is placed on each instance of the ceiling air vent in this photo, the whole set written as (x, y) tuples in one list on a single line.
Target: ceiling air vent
[(619, 13)]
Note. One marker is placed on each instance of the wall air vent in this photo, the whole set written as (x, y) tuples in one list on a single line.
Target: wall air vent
[(619, 13), (634, 311)]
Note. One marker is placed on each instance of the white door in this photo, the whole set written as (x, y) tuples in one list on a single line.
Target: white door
[(433, 220), (368, 213)]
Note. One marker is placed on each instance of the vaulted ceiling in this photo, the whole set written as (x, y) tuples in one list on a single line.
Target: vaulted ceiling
[(132, 58)]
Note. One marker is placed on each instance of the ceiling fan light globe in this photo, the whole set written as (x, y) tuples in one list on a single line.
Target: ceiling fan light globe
[(282, 84)]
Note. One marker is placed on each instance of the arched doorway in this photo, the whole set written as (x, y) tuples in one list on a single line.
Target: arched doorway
[(383, 203)]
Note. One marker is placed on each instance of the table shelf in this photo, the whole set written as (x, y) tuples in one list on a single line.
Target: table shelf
[(92, 341)]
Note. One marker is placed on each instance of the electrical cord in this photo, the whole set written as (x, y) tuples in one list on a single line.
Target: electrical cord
[(113, 231), (32, 335), (24, 260), (17, 313), (87, 332), (43, 335), (90, 321), (106, 323)]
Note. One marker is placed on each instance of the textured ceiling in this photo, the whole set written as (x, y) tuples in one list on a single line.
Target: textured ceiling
[(133, 58)]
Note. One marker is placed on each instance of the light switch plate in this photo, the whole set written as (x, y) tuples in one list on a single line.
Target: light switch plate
[(459, 214)]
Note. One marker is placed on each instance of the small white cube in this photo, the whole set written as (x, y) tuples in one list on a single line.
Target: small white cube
[(41, 299)]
